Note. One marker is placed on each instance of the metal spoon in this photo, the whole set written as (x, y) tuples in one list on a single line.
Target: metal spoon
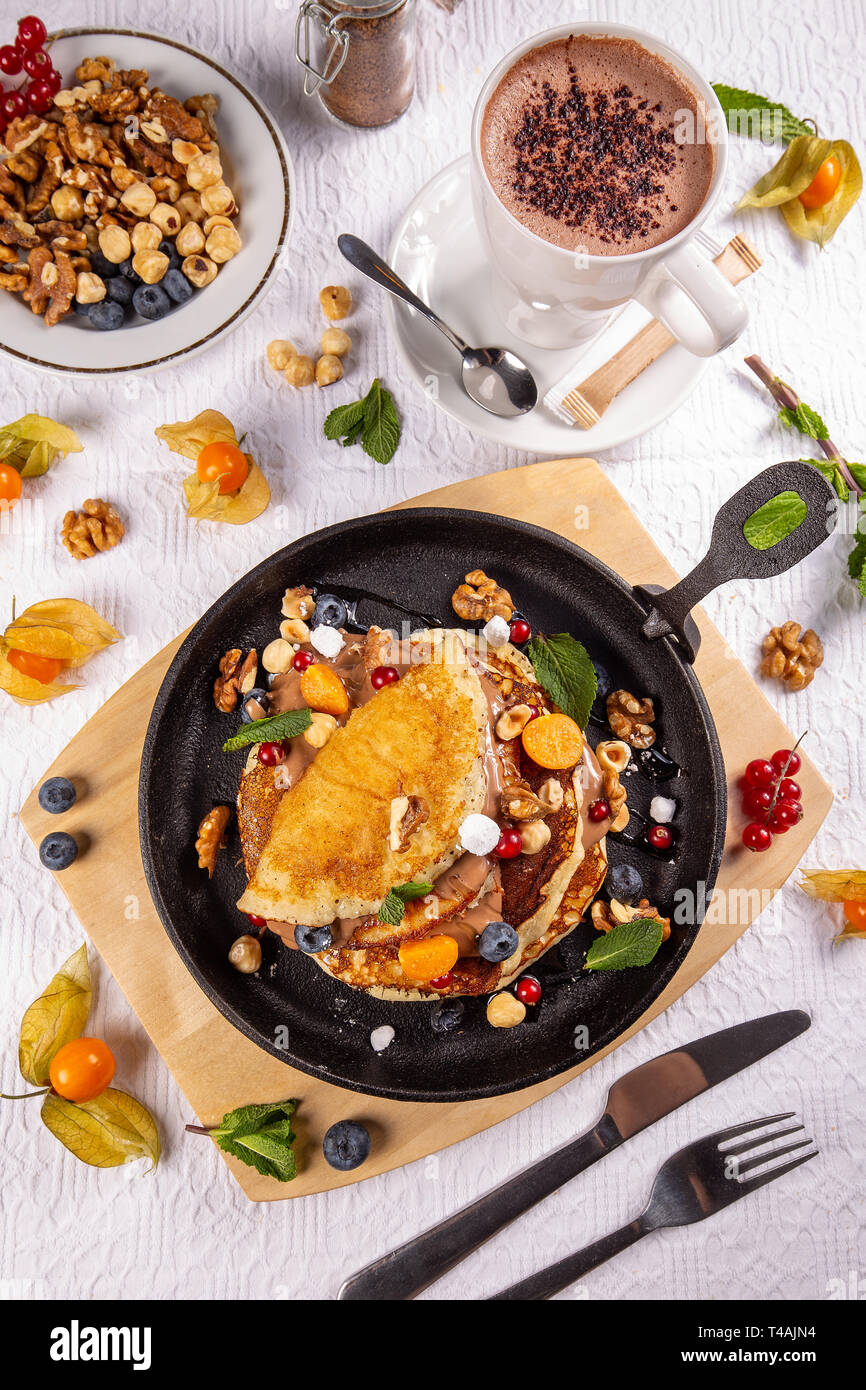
[(494, 378)]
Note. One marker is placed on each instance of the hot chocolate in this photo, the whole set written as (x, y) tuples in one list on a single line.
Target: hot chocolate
[(579, 143)]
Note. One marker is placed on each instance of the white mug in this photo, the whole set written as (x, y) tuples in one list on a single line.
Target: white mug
[(557, 298)]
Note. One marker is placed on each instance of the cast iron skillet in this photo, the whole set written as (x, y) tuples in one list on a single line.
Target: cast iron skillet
[(414, 560)]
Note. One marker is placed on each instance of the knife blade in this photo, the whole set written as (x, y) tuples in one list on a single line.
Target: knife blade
[(634, 1102)]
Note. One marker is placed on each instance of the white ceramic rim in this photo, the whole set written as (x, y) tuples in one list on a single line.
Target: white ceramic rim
[(234, 319), (601, 29)]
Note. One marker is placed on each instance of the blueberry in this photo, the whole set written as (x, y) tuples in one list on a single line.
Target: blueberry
[(261, 697), (119, 289), (498, 941), (346, 1145), (312, 939), (58, 850), (329, 611), (446, 1015), (605, 686), (169, 249), (624, 883), (176, 286), (125, 268), (151, 301), (56, 795), (101, 266), (83, 310), (106, 315)]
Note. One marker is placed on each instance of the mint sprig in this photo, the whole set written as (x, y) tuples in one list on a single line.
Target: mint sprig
[(565, 671), (373, 420), (775, 520), (804, 419), (394, 905), (742, 105), (626, 945), (260, 1136), (273, 730)]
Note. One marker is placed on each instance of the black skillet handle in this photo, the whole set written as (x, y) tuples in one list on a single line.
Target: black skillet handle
[(730, 555)]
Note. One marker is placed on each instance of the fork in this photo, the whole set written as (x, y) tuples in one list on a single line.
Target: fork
[(692, 1184)]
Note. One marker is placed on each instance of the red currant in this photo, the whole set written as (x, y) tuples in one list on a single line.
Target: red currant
[(509, 844), (37, 63), (660, 837), (757, 801), (784, 760), (598, 811), (789, 790), (10, 60), (760, 773), (270, 754), (301, 660), (54, 80), (783, 818), (528, 990), (14, 105), (520, 631), (442, 981), (39, 95), (31, 32), (384, 675), (534, 713), (757, 837), (796, 807), (256, 921)]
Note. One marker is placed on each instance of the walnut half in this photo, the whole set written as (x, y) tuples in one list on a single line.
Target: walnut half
[(237, 677), (211, 837), (631, 719), (481, 598), (791, 655), (96, 527)]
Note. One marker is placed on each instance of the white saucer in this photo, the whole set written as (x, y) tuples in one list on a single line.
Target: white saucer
[(438, 252)]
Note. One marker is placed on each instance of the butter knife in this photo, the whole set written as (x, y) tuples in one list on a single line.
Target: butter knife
[(634, 1102)]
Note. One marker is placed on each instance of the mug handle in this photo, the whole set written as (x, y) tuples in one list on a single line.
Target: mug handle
[(686, 271)]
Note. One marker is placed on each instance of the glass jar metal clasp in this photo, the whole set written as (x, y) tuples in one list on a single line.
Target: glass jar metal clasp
[(336, 54)]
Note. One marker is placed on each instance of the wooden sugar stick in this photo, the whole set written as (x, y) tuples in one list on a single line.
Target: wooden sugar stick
[(587, 402)]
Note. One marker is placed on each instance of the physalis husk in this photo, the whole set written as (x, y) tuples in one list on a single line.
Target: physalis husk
[(61, 629), (836, 885), (793, 174), (34, 442), (205, 502)]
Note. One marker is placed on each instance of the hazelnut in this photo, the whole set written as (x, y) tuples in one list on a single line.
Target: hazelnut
[(505, 1010), (335, 343), (300, 371), (328, 370), (279, 351), (145, 236), (512, 722), (294, 630), (222, 244), (278, 656), (199, 270), (166, 189), (551, 792), (89, 288), (189, 207), (150, 265), (218, 199), (536, 834), (184, 151), (189, 240), (114, 243), (320, 729), (203, 170), (246, 955), (67, 204), (139, 198), (216, 219), (614, 755), (297, 603), (166, 218), (336, 302)]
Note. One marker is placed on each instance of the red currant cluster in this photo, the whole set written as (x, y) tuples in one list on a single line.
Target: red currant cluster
[(772, 797), (41, 83)]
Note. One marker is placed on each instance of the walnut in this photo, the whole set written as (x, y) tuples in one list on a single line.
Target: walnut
[(408, 814), (23, 132), (791, 655), (480, 597), (606, 915), (25, 166), (237, 677), (517, 801), (211, 837), (52, 284), (380, 648), (615, 794), (99, 69), (631, 718), (96, 527)]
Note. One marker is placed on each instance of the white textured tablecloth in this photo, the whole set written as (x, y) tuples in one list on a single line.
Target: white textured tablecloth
[(73, 1231)]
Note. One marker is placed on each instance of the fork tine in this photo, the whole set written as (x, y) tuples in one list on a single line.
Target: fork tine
[(725, 1134), (771, 1156), (752, 1183), (749, 1144)]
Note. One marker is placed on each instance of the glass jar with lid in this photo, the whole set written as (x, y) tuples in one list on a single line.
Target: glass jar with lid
[(359, 57)]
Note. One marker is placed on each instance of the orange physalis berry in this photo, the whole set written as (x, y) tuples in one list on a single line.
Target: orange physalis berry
[(82, 1069), (428, 958), (554, 741), (824, 184), (225, 462), (855, 913), (10, 485), (323, 690), (44, 669)]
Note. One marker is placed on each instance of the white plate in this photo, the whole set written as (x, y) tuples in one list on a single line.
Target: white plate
[(438, 252), (257, 167)]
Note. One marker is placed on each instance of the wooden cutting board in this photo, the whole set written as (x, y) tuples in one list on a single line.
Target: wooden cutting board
[(216, 1066)]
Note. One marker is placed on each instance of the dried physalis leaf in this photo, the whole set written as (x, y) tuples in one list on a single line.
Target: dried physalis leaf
[(836, 886), (815, 184), (205, 502), (34, 442), (189, 437), (55, 1018), (114, 1128)]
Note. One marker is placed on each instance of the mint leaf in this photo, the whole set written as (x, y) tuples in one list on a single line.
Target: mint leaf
[(381, 433), (261, 1136), (774, 521), (565, 671), (858, 473), (857, 563), (344, 419), (804, 419), (747, 113), (626, 945), (273, 730), (394, 905), (833, 474)]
